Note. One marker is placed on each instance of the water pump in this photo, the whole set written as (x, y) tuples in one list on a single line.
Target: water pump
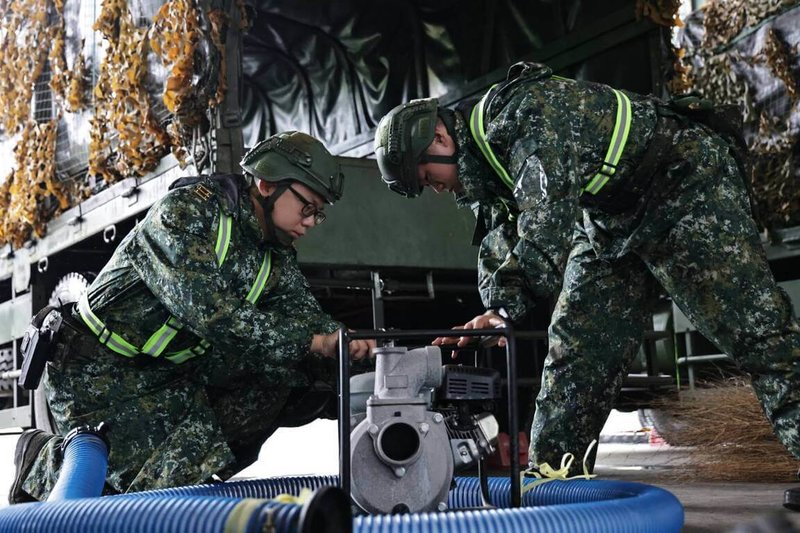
[(420, 423)]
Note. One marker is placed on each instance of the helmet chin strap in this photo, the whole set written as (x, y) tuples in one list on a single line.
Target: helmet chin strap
[(274, 234), (448, 118)]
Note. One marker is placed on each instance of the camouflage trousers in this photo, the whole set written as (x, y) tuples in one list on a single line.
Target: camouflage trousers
[(695, 238), (169, 426)]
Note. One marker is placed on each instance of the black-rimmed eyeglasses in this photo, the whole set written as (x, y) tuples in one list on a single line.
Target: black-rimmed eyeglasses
[(309, 208)]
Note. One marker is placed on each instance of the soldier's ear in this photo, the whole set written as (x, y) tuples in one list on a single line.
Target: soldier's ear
[(441, 135), (439, 131), (265, 188)]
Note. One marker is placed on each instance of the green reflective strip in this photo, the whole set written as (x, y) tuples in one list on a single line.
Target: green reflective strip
[(159, 340), (104, 336), (261, 279), (223, 237), (619, 138), (476, 127)]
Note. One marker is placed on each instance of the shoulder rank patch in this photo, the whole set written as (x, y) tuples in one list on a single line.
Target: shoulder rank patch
[(203, 192)]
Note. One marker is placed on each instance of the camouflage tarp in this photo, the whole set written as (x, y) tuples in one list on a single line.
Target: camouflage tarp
[(753, 60)]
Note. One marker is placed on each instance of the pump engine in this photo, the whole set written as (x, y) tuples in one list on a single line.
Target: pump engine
[(421, 423)]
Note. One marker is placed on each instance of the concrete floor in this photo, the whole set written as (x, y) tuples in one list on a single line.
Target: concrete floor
[(709, 506)]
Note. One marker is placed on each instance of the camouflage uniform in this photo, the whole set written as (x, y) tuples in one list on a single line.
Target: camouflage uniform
[(177, 424), (690, 232)]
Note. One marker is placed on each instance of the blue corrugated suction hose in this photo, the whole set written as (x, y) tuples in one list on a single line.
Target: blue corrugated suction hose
[(83, 472), (557, 506), (174, 514), (247, 488), (73, 505), (328, 510)]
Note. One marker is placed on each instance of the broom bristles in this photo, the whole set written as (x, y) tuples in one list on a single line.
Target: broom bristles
[(728, 436)]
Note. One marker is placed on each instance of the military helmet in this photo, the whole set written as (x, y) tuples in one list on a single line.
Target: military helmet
[(402, 137), (296, 156)]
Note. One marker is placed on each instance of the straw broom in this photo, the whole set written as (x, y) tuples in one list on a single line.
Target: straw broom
[(727, 435)]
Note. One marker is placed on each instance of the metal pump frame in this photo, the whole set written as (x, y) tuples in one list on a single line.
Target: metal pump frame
[(344, 392)]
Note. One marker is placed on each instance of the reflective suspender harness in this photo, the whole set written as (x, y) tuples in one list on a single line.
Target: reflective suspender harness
[(622, 126), (619, 138), (158, 341)]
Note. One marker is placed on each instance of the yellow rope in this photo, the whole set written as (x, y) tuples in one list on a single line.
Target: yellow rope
[(240, 515), (303, 497), (544, 472)]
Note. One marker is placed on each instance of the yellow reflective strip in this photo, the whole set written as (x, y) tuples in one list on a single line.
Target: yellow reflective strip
[(182, 356), (89, 318), (104, 336), (121, 346), (621, 128), (159, 340), (596, 184), (261, 279), (619, 138), (188, 353), (223, 237), (179, 357), (476, 126), (626, 127)]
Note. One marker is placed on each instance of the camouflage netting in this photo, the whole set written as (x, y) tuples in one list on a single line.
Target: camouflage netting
[(747, 52), (127, 139), (30, 194), (21, 59), (114, 108)]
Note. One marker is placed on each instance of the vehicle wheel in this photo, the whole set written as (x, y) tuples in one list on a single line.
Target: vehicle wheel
[(68, 290), (665, 424), (6, 385)]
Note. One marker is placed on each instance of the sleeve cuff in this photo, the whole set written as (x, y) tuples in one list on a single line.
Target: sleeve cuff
[(515, 304)]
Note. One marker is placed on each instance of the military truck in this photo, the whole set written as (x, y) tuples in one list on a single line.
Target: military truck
[(108, 102)]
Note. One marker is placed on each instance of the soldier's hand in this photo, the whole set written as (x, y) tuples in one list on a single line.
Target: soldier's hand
[(325, 344), (487, 320), (328, 344), (359, 349)]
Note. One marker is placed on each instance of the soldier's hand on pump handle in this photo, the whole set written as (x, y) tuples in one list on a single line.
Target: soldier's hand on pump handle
[(327, 345), (487, 320)]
